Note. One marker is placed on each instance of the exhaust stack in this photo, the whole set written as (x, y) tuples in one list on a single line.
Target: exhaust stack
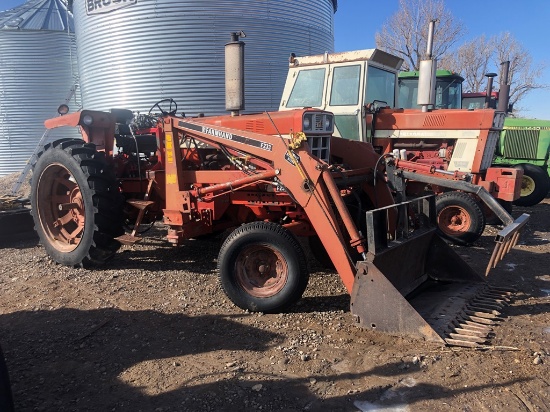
[(427, 75), (490, 77), (504, 94), (234, 74)]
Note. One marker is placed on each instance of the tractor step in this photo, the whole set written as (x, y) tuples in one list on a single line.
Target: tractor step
[(128, 239), (140, 204)]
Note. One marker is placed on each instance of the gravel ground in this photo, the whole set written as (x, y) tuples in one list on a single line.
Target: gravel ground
[(152, 331)]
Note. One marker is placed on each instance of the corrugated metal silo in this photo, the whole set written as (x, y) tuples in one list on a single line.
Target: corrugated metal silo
[(37, 70), (132, 53)]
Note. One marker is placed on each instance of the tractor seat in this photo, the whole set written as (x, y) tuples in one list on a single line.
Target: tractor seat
[(145, 143)]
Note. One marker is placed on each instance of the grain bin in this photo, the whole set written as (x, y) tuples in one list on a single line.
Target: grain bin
[(37, 70), (132, 53)]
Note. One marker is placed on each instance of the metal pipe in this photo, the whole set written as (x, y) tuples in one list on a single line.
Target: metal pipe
[(427, 75), (504, 93), (234, 74), (269, 174), (467, 187), (357, 240), (489, 93), (419, 145), (430, 41)]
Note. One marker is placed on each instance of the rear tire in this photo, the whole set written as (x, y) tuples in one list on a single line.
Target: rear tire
[(262, 267), (459, 217), (535, 185), (76, 205)]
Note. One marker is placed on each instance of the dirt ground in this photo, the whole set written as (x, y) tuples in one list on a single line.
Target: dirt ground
[(152, 331)]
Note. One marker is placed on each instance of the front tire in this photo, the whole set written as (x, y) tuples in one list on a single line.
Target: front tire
[(535, 185), (459, 217), (76, 205), (262, 267)]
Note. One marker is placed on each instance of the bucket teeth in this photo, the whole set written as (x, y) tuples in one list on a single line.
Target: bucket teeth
[(476, 325), (473, 326), (483, 315), (468, 338), (487, 303), (505, 241), (462, 343), (471, 332), (477, 319), (483, 308), (506, 292)]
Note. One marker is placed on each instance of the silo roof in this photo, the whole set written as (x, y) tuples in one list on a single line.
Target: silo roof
[(49, 15)]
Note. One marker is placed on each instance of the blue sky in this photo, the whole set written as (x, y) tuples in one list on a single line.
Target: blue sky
[(357, 21)]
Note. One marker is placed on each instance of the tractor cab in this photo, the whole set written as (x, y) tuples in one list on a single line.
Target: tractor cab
[(448, 90), (344, 84)]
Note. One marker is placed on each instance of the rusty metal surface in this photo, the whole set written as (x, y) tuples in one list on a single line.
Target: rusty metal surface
[(416, 285), (505, 240), (453, 313)]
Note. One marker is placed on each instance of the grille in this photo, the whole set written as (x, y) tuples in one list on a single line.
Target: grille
[(320, 147), (490, 148), (498, 121), (255, 126), (318, 123), (433, 120), (521, 143), (459, 150)]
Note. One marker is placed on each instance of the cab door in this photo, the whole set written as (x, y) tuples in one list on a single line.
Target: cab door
[(344, 98)]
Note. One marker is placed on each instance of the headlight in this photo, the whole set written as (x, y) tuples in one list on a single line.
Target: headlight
[(63, 109), (307, 123), (318, 122), (87, 119), (329, 123)]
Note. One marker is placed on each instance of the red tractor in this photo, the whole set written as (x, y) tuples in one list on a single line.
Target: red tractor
[(269, 178)]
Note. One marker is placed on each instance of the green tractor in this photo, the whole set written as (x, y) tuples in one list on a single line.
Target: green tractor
[(523, 144)]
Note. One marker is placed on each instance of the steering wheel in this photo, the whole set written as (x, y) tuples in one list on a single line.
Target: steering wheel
[(171, 112), (375, 106)]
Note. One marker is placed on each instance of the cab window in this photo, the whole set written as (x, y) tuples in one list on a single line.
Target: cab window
[(345, 86), (380, 86), (308, 89)]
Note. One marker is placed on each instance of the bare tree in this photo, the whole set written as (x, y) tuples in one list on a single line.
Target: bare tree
[(405, 34), (478, 56), (523, 72), (472, 60)]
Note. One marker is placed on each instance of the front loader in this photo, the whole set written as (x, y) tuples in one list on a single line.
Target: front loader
[(269, 178)]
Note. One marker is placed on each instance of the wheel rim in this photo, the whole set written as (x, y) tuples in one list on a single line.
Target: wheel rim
[(527, 186), (453, 220), (60, 207), (261, 271)]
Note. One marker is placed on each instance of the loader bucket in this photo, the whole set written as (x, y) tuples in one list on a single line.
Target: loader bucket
[(416, 285)]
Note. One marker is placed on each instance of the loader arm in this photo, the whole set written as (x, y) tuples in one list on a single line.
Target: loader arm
[(380, 282), (307, 180), (505, 239)]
